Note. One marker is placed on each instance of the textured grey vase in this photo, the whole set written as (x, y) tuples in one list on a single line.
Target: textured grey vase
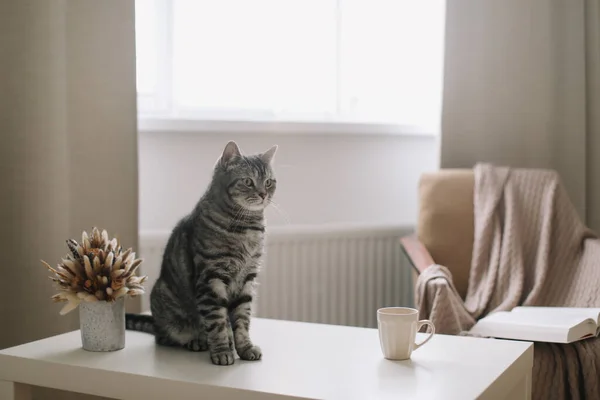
[(102, 325)]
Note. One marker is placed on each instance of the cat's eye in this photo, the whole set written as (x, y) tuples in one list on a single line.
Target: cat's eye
[(248, 182), (268, 183)]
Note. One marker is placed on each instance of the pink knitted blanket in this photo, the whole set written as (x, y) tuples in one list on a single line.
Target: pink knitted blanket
[(530, 248)]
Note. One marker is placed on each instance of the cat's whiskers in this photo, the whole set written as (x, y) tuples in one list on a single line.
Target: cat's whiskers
[(277, 207), (237, 217)]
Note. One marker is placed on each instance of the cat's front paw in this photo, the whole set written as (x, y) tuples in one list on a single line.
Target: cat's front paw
[(197, 345), (251, 353), (222, 358)]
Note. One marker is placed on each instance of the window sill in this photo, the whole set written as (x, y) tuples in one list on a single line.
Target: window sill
[(294, 128)]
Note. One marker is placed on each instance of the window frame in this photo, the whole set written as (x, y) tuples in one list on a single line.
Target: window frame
[(168, 124)]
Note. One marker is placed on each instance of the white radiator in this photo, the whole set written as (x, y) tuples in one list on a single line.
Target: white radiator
[(325, 274)]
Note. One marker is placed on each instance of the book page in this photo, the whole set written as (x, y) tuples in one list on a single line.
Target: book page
[(537, 319), (507, 325), (578, 312), (538, 326)]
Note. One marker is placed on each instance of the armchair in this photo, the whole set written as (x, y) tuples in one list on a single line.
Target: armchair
[(535, 205)]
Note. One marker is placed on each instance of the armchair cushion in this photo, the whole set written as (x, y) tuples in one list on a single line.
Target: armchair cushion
[(446, 225)]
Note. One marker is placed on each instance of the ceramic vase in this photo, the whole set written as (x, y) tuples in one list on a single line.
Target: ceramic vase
[(102, 325)]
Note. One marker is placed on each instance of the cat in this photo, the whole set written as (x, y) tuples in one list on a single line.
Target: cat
[(202, 299)]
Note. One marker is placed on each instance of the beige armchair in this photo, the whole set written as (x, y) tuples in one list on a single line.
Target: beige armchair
[(444, 232), (445, 235)]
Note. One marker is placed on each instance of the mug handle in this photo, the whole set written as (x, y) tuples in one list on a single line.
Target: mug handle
[(419, 326)]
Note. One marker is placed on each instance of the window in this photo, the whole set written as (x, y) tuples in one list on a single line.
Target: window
[(316, 61)]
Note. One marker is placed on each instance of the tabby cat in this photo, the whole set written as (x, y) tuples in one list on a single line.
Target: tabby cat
[(202, 298)]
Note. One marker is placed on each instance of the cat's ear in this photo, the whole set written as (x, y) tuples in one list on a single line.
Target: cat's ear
[(231, 151), (268, 155)]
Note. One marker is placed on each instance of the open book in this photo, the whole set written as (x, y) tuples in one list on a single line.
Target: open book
[(541, 324)]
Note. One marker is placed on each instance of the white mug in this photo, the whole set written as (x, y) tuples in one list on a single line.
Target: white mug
[(398, 327)]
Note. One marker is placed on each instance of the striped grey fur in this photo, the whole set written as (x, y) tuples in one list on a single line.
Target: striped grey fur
[(202, 299)]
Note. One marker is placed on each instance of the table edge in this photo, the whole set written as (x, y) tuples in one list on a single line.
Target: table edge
[(513, 374)]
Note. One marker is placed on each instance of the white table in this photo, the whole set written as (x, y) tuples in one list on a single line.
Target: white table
[(300, 360)]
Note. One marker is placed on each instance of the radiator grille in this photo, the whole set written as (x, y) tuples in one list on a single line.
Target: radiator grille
[(325, 274)]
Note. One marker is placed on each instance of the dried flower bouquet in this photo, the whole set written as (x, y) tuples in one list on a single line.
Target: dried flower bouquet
[(97, 269)]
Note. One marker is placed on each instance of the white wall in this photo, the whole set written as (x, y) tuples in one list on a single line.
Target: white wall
[(320, 178)]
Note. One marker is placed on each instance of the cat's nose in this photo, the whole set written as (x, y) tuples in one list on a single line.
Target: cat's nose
[(262, 195)]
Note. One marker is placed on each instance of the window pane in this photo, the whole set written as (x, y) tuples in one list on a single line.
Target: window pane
[(263, 56), (147, 43), (391, 60), (368, 61)]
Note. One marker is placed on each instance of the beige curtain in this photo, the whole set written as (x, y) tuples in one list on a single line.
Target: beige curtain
[(522, 87), (68, 148)]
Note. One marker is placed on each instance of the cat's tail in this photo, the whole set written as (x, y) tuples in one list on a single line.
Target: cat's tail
[(139, 322)]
